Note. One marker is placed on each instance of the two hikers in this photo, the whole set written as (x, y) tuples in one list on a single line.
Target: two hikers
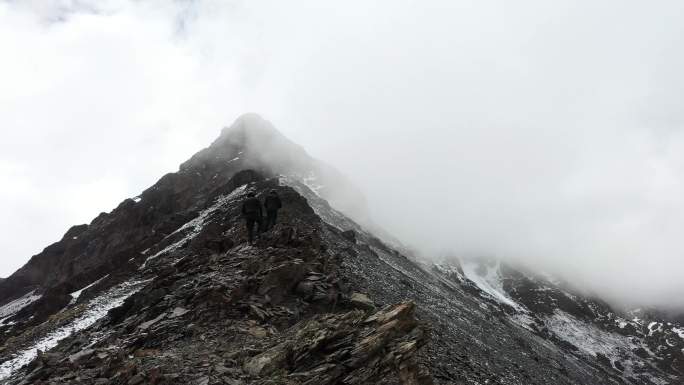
[(253, 213)]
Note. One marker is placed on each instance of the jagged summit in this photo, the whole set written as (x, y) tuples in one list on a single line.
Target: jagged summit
[(253, 131), (252, 142)]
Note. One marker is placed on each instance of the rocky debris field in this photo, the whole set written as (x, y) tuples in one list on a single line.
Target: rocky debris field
[(219, 311)]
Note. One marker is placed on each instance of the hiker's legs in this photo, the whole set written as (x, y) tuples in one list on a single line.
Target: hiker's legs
[(272, 215), (261, 225), (250, 229)]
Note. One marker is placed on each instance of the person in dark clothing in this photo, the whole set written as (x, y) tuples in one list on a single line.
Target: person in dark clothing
[(272, 204), (251, 210)]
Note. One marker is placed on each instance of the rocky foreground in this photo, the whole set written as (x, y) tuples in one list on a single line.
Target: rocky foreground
[(219, 311)]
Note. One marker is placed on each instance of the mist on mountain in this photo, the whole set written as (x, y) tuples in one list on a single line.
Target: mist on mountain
[(546, 135)]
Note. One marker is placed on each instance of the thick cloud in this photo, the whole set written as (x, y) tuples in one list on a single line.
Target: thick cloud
[(547, 132)]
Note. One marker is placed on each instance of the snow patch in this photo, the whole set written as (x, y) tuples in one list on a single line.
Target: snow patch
[(679, 331), (320, 205), (654, 327), (449, 270), (95, 310), (312, 183), (77, 293), (588, 338), (524, 320), (491, 283), (13, 307), (195, 226)]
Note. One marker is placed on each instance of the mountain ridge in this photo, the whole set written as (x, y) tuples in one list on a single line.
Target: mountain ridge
[(164, 289)]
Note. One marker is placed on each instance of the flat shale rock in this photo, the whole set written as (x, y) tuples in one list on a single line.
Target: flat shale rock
[(361, 301), (347, 348)]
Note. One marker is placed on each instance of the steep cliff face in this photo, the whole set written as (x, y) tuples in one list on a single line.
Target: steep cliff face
[(165, 290)]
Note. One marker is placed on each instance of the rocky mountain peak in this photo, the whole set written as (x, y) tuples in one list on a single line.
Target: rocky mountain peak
[(165, 289), (254, 142), (252, 131)]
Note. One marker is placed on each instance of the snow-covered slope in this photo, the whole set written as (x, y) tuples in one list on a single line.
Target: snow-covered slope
[(77, 319), (586, 328)]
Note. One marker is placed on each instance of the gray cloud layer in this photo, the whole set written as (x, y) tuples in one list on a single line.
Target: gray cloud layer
[(546, 132)]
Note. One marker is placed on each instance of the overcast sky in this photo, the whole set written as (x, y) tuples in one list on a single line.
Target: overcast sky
[(550, 132)]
